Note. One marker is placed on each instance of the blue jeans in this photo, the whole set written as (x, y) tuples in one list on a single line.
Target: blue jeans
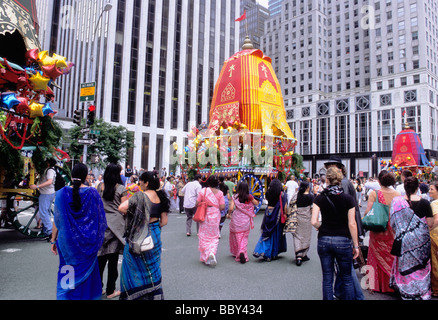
[(339, 249), (45, 203)]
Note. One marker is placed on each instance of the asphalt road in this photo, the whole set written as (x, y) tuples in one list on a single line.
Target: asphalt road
[(29, 269)]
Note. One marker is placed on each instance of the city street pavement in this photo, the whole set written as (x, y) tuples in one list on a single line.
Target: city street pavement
[(29, 269)]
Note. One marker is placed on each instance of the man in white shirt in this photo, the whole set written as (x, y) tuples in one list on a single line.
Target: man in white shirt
[(401, 188), (191, 191), (291, 188), (46, 187)]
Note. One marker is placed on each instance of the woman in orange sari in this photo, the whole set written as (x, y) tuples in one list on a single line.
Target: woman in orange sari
[(379, 258), (208, 233)]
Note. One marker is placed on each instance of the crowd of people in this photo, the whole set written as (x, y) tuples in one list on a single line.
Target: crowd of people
[(97, 222)]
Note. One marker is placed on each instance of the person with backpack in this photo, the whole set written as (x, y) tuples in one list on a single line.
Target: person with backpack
[(46, 187)]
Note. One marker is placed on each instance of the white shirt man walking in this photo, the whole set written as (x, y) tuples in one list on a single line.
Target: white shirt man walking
[(190, 192)]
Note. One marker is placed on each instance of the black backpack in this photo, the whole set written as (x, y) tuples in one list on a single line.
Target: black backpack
[(59, 179)]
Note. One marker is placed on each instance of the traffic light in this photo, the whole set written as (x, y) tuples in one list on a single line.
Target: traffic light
[(77, 117), (91, 115)]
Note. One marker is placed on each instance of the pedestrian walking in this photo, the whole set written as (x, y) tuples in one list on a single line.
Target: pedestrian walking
[(379, 257), (433, 192), (411, 218), (337, 235), (46, 187), (113, 193), (227, 200), (302, 235), (141, 277), (272, 241), (179, 186), (78, 234), (208, 234), (191, 191), (241, 213), (291, 188)]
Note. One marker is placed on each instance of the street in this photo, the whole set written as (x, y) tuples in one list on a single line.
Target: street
[(29, 269)]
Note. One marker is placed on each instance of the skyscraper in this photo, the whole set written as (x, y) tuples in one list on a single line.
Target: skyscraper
[(155, 64), (349, 70)]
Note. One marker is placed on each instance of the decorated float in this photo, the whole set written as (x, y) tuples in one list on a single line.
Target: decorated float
[(408, 154), (248, 136), (29, 135)]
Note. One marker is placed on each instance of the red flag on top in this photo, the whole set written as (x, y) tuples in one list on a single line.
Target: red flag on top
[(243, 17)]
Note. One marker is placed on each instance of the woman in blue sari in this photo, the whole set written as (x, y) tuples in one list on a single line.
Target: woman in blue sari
[(272, 242), (141, 273), (77, 236)]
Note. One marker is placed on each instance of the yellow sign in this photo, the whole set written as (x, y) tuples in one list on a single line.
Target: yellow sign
[(88, 91)]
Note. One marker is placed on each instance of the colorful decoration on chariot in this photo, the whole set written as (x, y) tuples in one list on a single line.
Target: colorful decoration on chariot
[(408, 150), (25, 82), (249, 93)]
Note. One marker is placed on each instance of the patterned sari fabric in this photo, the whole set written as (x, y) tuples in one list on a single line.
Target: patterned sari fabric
[(272, 242), (240, 226), (410, 273), (208, 234), (434, 251), (379, 257), (80, 236), (141, 274)]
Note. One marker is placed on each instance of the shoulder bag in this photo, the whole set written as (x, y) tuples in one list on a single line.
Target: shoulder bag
[(377, 218), (142, 241), (201, 210)]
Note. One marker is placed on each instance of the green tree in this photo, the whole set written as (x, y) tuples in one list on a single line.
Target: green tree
[(111, 145)]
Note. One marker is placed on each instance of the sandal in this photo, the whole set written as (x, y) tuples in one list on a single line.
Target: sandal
[(114, 294)]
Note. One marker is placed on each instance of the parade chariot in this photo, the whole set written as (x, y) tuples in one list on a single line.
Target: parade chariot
[(28, 133), (248, 136)]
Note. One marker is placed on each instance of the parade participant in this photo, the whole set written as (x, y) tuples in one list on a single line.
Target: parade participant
[(227, 200), (191, 191), (208, 234), (179, 186), (141, 273), (337, 235), (291, 188), (348, 188), (78, 234), (113, 193), (272, 242), (302, 235), (401, 188), (46, 188), (379, 257), (411, 218), (433, 192), (241, 213)]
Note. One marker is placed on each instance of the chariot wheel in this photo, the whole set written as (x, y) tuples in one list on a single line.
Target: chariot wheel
[(255, 189), (24, 217)]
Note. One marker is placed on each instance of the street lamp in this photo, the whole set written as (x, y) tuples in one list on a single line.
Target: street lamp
[(108, 6)]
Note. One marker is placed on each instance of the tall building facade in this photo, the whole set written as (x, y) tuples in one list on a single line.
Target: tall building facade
[(254, 25), (155, 64), (352, 73)]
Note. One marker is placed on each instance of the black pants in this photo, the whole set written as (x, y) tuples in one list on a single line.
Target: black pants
[(181, 204), (113, 273)]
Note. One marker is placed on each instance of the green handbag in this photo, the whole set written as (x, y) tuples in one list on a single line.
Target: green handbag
[(377, 218)]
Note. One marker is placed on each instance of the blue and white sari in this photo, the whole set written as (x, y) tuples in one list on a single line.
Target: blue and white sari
[(80, 236)]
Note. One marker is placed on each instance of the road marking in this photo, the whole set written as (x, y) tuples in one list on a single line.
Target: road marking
[(11, 250)]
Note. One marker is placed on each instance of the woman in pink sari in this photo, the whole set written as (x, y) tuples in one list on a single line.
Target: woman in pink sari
[(241, 221), (208, 233)]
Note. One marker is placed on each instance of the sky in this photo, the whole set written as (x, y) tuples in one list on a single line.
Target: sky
[(264, 3)]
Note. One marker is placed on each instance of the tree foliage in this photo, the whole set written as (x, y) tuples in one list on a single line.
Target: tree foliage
[(111, 145)]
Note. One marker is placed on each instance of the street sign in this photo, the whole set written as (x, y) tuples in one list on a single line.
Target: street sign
[(85, 130), (88, 92), (86, 141), (95, 132)]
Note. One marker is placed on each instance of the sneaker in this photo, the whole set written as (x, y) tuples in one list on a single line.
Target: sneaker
[(212, 262)]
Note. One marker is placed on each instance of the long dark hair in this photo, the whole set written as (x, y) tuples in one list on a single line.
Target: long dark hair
[(303, 187), (78, 175), (243, 192), (274, 191), (111, 178), (153, 184), (411, 185)]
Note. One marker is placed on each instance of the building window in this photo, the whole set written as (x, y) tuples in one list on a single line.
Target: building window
[(342, 106), (410, 95), (305, 112), (363, 103), (385, 99), (323, 109)]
